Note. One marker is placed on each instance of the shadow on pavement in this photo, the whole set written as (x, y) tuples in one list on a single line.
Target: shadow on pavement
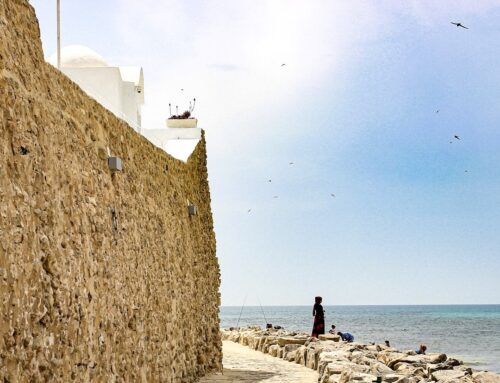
[(238, 376)]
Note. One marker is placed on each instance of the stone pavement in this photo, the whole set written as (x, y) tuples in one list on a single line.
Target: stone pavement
[(241, 364)]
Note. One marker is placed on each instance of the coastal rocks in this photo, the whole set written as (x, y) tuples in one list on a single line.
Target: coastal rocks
[(336, 368), (338, 362), (485, 377), (410, 369), (288, 351), (274, 350), (351, 376), (447, 375), (334, 338), (379, 368), (447, 365), (391, 358), (282, 341), (393, 378)]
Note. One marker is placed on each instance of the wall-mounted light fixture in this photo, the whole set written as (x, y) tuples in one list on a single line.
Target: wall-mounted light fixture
[(114, 220), (192, 209), (115, 164)]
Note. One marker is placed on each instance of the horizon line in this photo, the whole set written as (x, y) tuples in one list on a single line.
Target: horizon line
[(392, 304)]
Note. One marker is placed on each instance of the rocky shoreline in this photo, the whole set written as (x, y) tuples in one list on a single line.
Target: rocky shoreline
[(341, 362)]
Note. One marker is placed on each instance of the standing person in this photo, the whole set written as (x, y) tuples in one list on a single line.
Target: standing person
[(319, 318)]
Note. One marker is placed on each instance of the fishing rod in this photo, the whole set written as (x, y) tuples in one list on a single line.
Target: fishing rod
[(262, 309), (244, 301)]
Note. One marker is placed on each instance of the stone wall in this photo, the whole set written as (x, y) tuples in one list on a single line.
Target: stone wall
[(103, 276)]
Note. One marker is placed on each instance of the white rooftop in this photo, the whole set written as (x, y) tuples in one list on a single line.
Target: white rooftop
[(87, 68), (78, 56)]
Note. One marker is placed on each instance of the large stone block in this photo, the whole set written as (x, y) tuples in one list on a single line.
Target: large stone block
[(282, 341), (332, 337)]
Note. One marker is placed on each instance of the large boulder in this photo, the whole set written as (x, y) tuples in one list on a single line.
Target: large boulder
[(366, 358), (392, 378), (424, 359), (312, 360), (486, 377), (337, 368), (449, 364), (379, 368), (390, 358), (301, 355), (448, 375), (335, 355), (408, 379), (282, 341), (267, 342), (410, 369), (289, 348), (351, 376), (332, 337), (274, 350), (291, 356)]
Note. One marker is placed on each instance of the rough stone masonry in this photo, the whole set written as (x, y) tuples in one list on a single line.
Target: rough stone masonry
[(104, 276)]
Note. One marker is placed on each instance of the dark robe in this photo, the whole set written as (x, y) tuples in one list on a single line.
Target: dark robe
[(319, 320)]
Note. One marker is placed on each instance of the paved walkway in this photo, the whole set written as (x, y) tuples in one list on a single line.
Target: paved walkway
[(244, 365)]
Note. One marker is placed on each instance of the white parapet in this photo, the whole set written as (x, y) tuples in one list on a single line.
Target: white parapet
[(161, 136), (178, 142)]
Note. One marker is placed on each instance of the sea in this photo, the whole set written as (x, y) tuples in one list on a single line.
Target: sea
[(467, 332)]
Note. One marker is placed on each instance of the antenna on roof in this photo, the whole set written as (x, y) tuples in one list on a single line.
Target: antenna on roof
[(59, 34)]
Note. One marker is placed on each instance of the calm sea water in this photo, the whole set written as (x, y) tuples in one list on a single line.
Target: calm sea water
[(467, 332)]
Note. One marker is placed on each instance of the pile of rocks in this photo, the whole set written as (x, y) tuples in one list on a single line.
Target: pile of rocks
[(340, 362)]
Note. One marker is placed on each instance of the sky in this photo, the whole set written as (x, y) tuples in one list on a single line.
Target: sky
[(366, 108)]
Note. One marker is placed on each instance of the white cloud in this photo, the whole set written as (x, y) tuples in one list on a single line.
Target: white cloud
[(229, 53)]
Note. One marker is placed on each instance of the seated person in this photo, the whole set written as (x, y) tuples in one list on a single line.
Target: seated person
[(346, 337), (332, 330), (421, 350), (387, 343)]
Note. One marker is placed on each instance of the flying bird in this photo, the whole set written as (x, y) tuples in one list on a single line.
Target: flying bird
[(269, 180), (291, 163), (333, 195), (459, 25), (437, 111), (458, 138), (249, 210), (283, 64), (275, 196), (182, 89)]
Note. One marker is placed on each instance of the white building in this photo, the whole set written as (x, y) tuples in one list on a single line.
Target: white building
[(118, 89), (121, 91)]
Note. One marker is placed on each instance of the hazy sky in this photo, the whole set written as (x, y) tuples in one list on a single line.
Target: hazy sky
[(355, 110)]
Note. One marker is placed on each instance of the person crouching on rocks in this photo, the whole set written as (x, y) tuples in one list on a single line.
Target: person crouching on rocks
[(319, 318), (421, 350), (346, 337)]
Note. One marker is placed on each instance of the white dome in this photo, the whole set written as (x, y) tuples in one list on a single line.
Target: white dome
[(78, 56)]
